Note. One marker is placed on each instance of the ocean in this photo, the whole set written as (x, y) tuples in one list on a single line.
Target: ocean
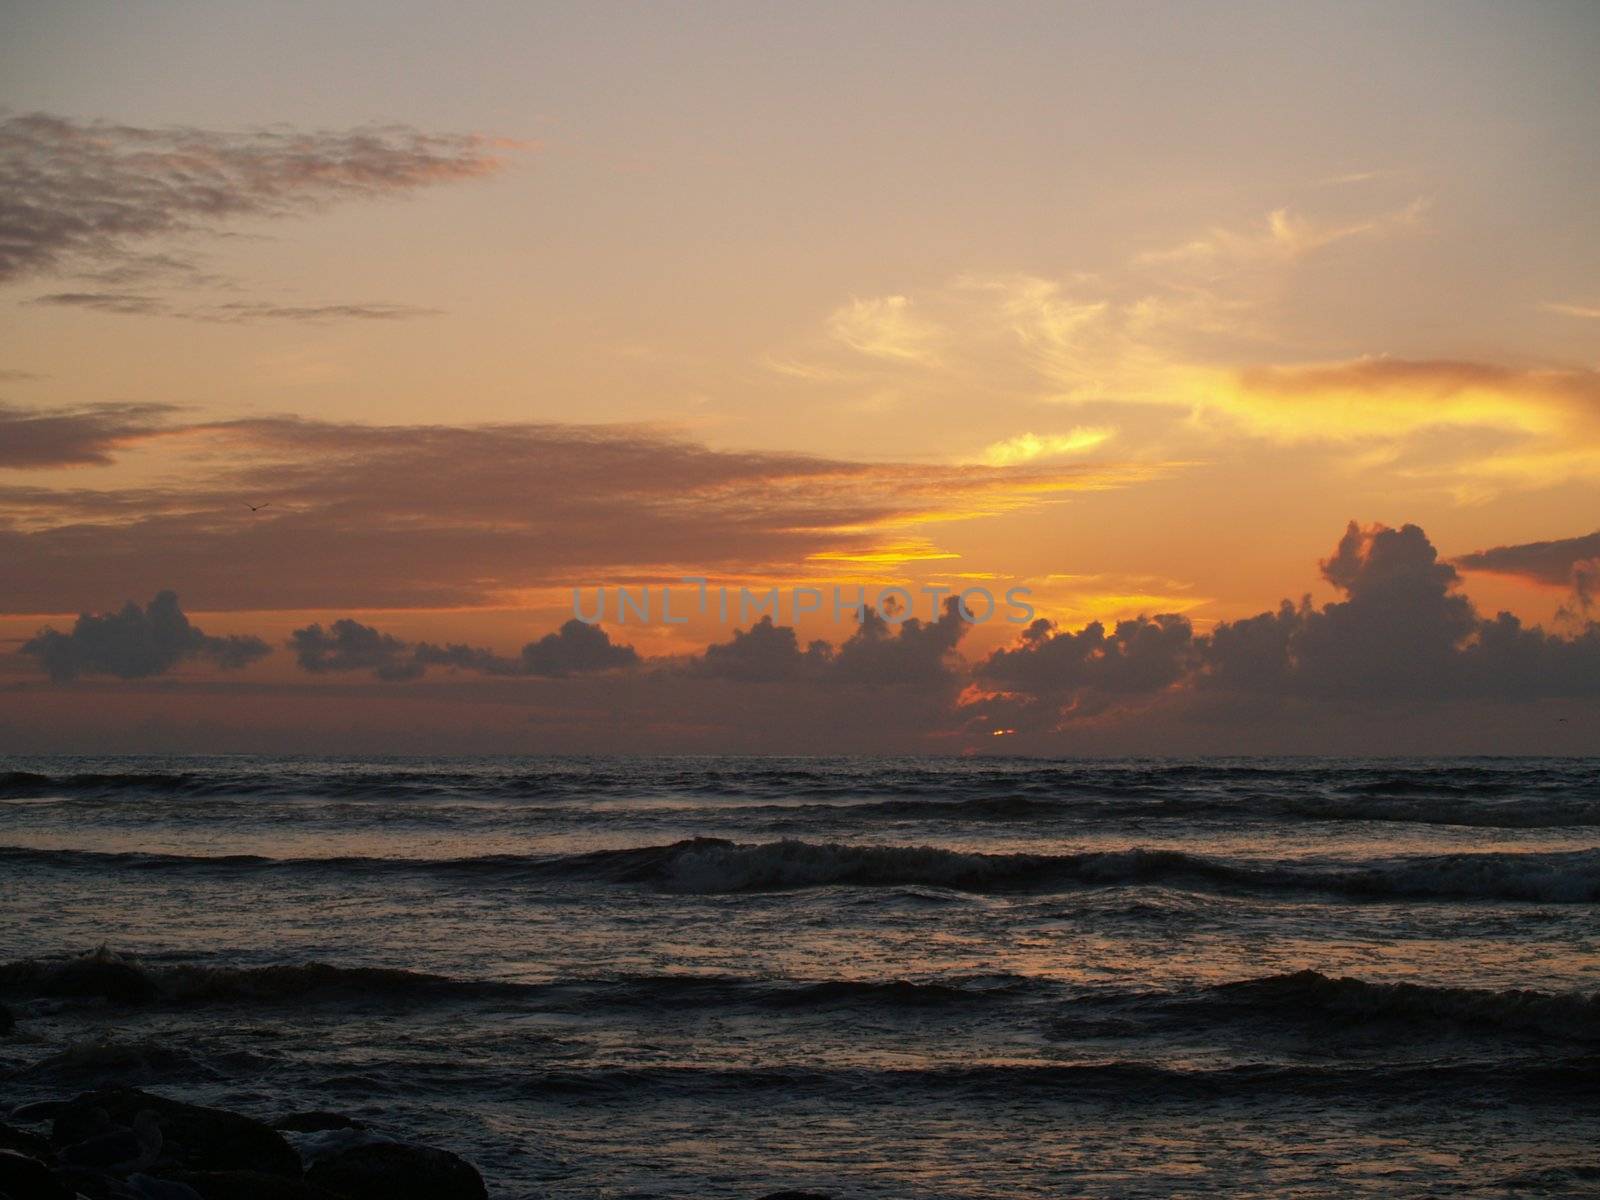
[(725, 977)]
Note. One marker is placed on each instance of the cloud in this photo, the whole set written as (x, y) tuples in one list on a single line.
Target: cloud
[(73, 191), (879, 653), (1568, 562), (1401, 634), (1026, 447), (1549, 562), (1284, 236), (351, 646), (348, 645), (371, 517), (765, 653), (885, 327), (1586, 312), (575, 649), (234, 313), (32, 438), (136, 643)]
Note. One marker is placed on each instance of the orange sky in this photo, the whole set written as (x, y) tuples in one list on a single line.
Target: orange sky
[(1136, 307)]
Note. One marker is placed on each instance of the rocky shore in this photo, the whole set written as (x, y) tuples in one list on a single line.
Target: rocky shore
[(123, 1143)]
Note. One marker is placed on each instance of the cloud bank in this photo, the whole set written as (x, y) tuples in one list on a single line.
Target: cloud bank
[(136, 643)]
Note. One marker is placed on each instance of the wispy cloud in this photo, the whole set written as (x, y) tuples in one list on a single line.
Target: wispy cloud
[(1026, 447), (1283, 236), (237, 312), (1587, 312), (76, 191), (886, 327)]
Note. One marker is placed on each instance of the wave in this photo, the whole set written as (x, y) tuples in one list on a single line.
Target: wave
[(107, 975), (1310, 1002), (1566, 1080), (1521, 795), (715, 865)]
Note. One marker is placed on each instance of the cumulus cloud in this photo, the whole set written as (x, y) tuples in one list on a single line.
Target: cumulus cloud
[(348, 645), (136, 643), (1400, 633), (574, 649), (73, 191), (878, 653), (31, 437), (1571, 562), (765, 653)]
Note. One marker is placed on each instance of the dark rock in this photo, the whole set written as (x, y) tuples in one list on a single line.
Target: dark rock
[(251, 1185), (315, 1122), (398, 1171), (39, 1110), (96, 1185), (193, 1138), (7, 1021), (797, 1196), (24, 1142), (147, 1188), (24, 1176)]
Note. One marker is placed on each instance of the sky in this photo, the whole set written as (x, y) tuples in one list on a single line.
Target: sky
[(1257, 344)]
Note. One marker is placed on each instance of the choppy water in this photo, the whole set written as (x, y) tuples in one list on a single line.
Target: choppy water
[(887, 978)]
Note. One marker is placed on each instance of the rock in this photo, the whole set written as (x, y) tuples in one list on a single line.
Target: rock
[(148, 1188), (398, 1171), (39, 1110), (24, 1142), (193, 1138), (24, 1176), (250, 1185), (7, 1021), (315, 1122), (797, 1196)]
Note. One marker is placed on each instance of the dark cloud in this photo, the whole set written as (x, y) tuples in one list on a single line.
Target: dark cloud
[(765, 653), (76, 190), (575, 649), (1402, 634), (367, 517), (233, 313), (124, 304), (72, 437), (917, 652), (1573, 562), (351, 646), (1141, 655), (136, 643), (1541, 562), (878, 653), (347, 645)]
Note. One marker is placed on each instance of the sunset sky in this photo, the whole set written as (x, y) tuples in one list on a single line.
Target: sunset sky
[(1139, 306)]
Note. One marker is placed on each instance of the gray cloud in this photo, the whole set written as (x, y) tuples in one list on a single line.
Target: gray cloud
[(877, 653), (72, 437), (575, 649), (136, 643), (237, 312), (90, 190), (348, 645), (1574, 562), (1401, 634)]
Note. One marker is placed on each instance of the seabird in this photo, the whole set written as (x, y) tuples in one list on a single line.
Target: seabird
[(257, 507)]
